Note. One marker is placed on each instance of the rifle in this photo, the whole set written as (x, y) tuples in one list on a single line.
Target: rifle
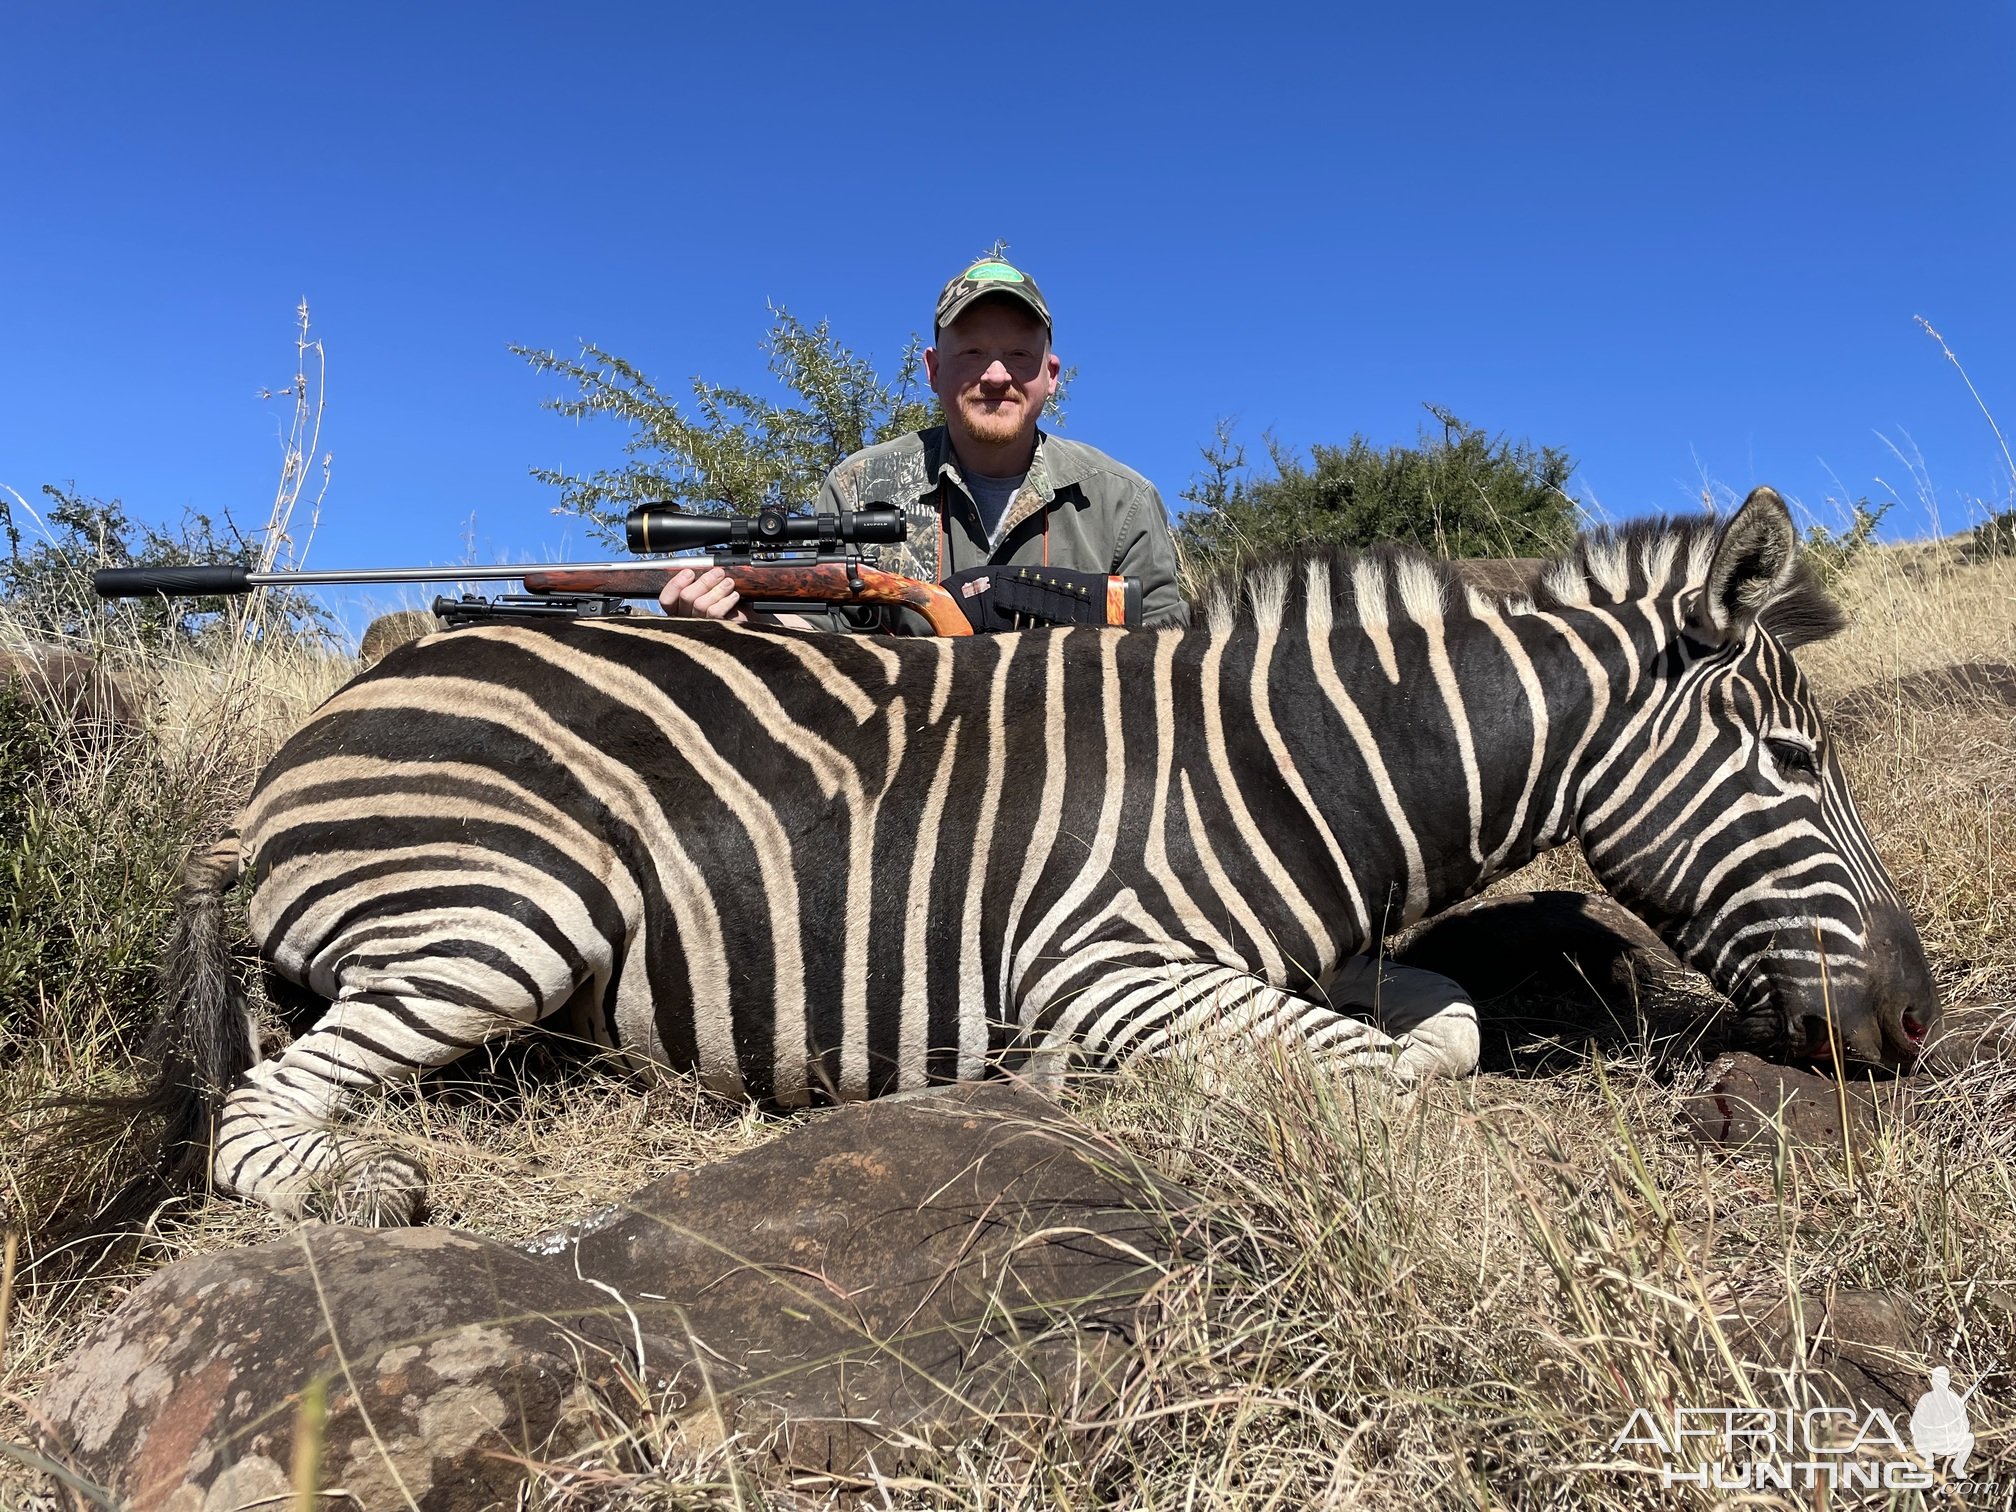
[(778, 561)]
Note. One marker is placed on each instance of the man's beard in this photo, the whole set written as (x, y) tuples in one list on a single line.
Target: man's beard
[(1003, 424)]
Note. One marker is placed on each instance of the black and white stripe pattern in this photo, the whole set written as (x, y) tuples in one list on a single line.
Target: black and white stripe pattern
[(820, 867)]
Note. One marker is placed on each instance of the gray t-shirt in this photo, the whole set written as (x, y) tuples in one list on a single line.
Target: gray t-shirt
[(993, 496)]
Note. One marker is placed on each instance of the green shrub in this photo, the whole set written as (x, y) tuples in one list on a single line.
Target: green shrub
[(1831, 551), (45, 578), (27, 748), (1458, 493), (91, 826), (732, 448)]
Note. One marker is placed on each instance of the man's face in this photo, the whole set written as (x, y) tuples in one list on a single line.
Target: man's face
[(993, 370)]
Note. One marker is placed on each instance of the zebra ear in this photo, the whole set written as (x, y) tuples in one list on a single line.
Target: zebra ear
[(1754, 560)]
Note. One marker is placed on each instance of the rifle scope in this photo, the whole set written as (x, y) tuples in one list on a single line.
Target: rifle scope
[(666, 527)]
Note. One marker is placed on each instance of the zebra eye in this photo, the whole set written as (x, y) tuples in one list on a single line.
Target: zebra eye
[(1794, 758)]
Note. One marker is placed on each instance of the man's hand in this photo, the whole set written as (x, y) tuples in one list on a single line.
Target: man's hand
[(701, 595)]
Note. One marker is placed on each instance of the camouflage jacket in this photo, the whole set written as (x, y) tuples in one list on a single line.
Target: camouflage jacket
[(1090, 513)]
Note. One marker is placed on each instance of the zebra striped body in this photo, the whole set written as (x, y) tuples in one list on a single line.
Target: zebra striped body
[(801, 864), (818, 867)]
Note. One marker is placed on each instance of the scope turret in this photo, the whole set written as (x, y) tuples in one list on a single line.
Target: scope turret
[(666, 527)]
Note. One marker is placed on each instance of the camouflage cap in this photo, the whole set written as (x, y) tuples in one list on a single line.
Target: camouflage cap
[(988, 277)]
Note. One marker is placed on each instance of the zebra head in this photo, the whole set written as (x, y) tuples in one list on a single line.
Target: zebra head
[(1718, 812)]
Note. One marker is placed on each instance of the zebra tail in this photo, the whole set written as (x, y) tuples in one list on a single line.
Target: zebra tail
[(154, 1144)]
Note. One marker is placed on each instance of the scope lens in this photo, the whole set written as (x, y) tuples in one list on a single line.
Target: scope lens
[(666, 527)]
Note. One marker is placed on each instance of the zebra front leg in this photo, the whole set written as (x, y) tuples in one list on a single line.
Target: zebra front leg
[(1135, 1012), (1431, 1020), (1131, 1013), (278, 1135)]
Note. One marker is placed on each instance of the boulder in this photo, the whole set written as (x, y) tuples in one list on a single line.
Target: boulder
[(1541, 950), (1552, 972), (69, 684), (1864, 1347), (439, 1352), (1743, 1101), (879, 1280), (970, 1243)]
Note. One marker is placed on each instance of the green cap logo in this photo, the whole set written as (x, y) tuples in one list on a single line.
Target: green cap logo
[(990, 278)]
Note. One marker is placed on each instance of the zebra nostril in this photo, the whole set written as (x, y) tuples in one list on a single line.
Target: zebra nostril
[(1915, 1028)]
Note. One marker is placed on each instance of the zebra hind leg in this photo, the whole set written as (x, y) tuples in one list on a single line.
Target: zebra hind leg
[(278, 1136)]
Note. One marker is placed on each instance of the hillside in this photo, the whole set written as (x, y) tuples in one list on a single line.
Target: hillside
[(1455, 1299)]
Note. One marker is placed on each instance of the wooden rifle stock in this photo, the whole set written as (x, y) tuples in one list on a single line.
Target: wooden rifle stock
[(817, 583)]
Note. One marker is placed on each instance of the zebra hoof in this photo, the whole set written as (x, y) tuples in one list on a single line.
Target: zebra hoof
[(1446, 1044), (1388, 1062), (1419, 1064), (386, 1191)]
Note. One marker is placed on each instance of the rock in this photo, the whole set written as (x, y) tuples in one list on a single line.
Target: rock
[(885, 1254), (1543, 952), (1976, 685), (389, 632), (878, 1280), (1867, 1346), (70, 684), (1744, 1100), (453, 1350)]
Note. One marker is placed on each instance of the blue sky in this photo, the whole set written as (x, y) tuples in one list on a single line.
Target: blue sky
[(1681, 242)]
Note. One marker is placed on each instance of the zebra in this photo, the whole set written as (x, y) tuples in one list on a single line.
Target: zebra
[(815, 868)]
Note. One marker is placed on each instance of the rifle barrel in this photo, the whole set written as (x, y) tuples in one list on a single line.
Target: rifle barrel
[(142, 582), (818, 576)]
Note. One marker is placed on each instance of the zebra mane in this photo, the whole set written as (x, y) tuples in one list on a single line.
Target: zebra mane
[(1642, 559), (1346, 587)]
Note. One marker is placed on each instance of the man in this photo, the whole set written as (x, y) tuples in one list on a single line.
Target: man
[(989, 486)]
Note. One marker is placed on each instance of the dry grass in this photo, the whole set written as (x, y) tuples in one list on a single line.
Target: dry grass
[(1454, 1300), (1938, 785)]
